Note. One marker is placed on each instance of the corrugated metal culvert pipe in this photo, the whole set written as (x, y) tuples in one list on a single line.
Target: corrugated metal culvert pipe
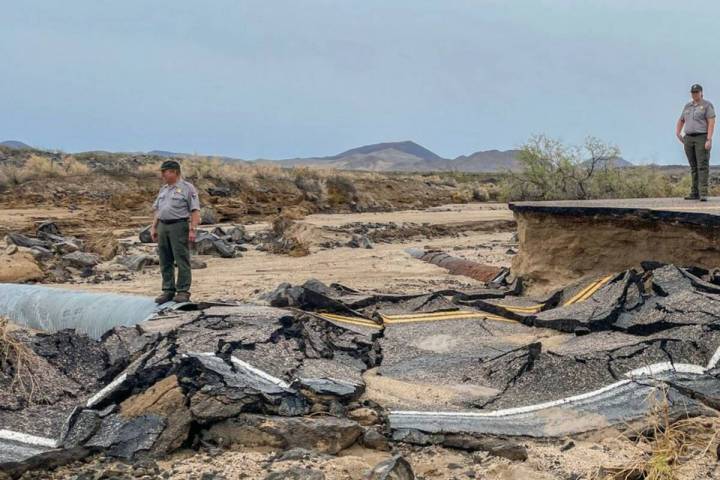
[(53, 309)]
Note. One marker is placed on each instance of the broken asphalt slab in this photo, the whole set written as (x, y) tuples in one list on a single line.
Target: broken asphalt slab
[(213, 355), (439, 365), (614, 405)]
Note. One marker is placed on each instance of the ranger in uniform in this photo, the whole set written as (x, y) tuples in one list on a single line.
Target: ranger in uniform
[(177, 215), (698, 118)]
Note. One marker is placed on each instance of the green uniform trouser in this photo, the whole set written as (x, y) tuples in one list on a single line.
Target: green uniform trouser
[(174, 249), (699, 160)]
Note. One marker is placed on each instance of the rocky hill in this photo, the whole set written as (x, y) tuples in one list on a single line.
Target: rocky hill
[(404, 156), (15, 144), (408, 156)]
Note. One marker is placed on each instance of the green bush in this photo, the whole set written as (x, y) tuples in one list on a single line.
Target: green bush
[(554, 171)]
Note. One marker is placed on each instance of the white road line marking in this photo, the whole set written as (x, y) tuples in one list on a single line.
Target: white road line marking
[(28, 439), (99, 396)]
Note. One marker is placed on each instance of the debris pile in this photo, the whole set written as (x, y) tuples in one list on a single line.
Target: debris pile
[(225, 242), (378, 232), (324, 367), (58, 257), (218, 375), (600, 349)]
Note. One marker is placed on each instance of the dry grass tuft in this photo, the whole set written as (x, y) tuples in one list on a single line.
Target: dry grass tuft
[(73, 167), (104, 244), (281, 224), (18, 362), (283, 241), (38, 167), (42, 167), (149, 170), (341, 189), (12, 175), (666, 446)]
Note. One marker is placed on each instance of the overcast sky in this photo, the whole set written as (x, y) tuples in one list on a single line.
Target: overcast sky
[(278, 79)]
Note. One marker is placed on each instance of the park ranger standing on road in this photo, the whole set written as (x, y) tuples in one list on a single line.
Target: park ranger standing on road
[(177, 215), (698, 118)]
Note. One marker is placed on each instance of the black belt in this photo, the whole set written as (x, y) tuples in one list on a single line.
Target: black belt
[(177, 220), (696, 134)]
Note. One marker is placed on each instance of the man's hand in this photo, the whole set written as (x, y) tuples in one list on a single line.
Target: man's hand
[(192, 235), (708, 144), (680, 138), (153, 234)]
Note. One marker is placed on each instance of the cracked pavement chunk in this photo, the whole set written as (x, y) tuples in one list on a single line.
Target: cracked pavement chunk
[(577, 361)]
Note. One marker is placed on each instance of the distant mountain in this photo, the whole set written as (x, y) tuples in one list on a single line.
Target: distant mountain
[(408, 147), (163, 153), (15, 144), (179, 156), (487, 161), (408, 157), (404, 156)]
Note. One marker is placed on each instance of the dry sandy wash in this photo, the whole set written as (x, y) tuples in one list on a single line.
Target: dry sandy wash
[(385, 267)]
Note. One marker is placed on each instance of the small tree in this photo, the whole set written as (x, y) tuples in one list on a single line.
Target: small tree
[(592, 159), (553, 171)]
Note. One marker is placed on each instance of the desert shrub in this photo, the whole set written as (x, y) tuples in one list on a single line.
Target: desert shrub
[(270, 172), (554, 171), (11, 175), (283, 242), (682, 186), (480, 194), (200, 168), (149, 169), (310, 182), (666, 445), (448, 181), (37, 166), (635, 182), (236, 174), (462, 195), (72, 166), (340, 189)]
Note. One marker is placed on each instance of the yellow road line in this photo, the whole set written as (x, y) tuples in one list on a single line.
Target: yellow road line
[(588, 291), (580, 293), (597, 287), (350, 320), (580, 296), (432, 314), (533, 309), (483, 315), (345, 317)]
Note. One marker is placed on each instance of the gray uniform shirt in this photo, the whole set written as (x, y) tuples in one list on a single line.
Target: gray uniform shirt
[(696, 116), (176, 201)]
